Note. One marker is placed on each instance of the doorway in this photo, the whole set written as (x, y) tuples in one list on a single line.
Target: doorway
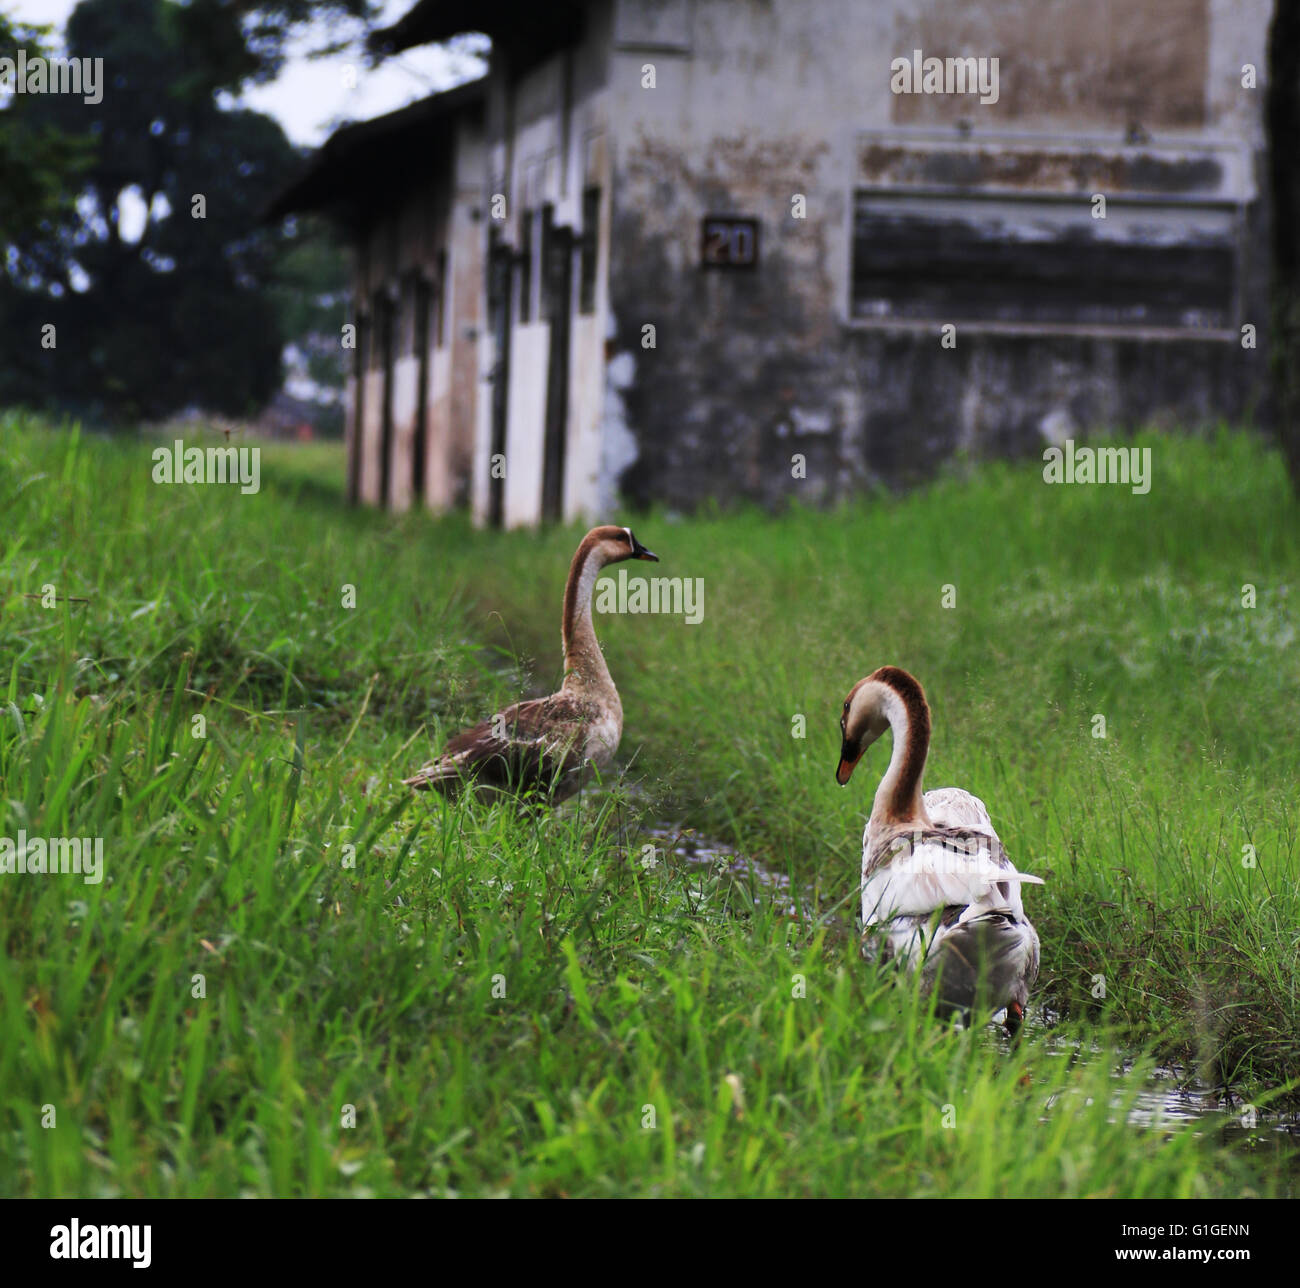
[(557, 289)]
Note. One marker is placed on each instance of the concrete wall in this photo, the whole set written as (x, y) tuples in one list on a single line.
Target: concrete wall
[(756, 101)]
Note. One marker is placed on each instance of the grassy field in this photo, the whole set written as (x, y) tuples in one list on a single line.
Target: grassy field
[(295, 978)]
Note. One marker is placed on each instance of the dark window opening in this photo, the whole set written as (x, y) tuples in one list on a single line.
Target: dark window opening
[(423, 303), (550, 247), (444, 293), (360, 358), (361, 339), (407, 323), (526, 269), (590, 248), (1039, 261), (381, 313), (556, 267), (384, 350), (500, 262)]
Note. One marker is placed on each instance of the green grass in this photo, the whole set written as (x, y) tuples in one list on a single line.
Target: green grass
[(283, 932)]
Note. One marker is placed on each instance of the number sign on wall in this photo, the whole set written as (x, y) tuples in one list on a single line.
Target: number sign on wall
[(729, 241)]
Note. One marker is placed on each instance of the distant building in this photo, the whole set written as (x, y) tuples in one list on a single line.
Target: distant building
[(408, 189), (286, 416), (771, 249)]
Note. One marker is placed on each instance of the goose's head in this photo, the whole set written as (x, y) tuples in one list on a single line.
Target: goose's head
[(871, 707), (862, 721), (614, 544)]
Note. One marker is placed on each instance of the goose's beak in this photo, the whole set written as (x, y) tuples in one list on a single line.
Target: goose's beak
[(849, 757), (640, 552)]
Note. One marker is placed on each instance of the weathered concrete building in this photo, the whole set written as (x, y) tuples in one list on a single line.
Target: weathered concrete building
[(773, 248)]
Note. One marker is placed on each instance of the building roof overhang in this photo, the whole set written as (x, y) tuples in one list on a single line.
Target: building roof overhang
[(524, 30), (363, 165)]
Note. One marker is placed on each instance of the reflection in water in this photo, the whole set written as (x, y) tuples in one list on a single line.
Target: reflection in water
[(1173, 1095)]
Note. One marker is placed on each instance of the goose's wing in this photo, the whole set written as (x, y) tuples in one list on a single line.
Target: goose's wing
[(532, 744), (953, 807), (924, 872)]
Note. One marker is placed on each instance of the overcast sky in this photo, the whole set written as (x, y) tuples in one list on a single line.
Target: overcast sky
[(311, 97)]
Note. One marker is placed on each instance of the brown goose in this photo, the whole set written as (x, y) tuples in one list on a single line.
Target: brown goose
[(935, 877), (545, 745)]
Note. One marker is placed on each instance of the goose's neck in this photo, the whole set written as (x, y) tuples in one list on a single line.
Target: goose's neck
[(584, 663), (898, 798)]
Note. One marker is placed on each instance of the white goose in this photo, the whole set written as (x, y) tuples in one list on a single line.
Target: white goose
[(546, 745), (934, 874)]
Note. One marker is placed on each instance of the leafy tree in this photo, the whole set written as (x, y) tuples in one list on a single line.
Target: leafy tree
[(245, 40), (168, 309), (38, 162)]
